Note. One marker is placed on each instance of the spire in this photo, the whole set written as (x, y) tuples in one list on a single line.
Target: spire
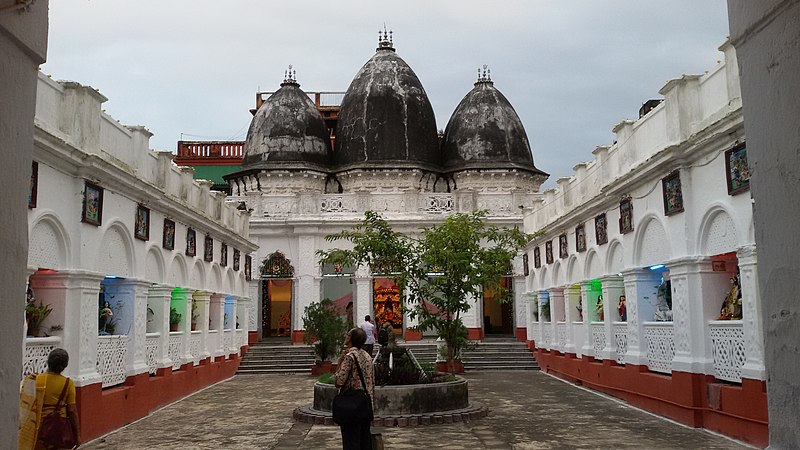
[(484, 77), (290, 77), (385, 40)]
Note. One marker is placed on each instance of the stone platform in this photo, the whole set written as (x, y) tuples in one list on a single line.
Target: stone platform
[(307, 414)]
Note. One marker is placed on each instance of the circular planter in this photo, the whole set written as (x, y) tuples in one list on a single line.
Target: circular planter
[(411, 399)]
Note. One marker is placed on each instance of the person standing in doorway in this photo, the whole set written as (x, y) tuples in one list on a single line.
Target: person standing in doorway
[(369, 330)]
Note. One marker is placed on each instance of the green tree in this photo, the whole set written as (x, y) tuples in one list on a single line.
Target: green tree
[(440, 272), (324, 328)]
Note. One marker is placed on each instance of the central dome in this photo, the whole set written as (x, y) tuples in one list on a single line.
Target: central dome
[(386, 119)]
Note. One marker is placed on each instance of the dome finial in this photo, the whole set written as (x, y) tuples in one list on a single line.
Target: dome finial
[(290, 77), (485, 76), (385, 39)]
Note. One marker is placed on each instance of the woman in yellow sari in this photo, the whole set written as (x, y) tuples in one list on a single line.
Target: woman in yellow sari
[(39, 396)]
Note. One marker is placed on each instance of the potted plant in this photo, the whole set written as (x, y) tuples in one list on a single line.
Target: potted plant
[(35, 315), (326, 331), (195, 315), (174, 319)]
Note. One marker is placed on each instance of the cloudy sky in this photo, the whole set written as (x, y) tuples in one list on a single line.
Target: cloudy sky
[(572, 69)]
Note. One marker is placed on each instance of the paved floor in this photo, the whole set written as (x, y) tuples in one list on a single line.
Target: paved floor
[(529, 410)]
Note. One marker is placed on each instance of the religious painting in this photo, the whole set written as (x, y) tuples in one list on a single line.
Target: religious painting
[(236, 257), (580, 238), (673, 195), (601, 229), (737, 171), (92, 204), (34, 188), (525, 270), (248, 267), (537, 258), (548, 252), (563, 250), (223, 254), (191, 242), (625, 215), (168, 240), (386, 301), (208, 248), (142, 224)]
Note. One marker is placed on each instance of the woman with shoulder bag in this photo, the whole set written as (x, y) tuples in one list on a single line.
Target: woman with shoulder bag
[(48, 415), (355, 379)]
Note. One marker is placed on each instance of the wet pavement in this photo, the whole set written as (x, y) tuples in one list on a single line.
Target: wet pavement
[(529, 410)]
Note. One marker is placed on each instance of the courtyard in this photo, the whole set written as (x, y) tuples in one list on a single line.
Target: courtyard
[(528, 410)]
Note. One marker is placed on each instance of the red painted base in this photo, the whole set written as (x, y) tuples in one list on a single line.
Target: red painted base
[(104, 410), (297, 336), (442, 366), (693, 399), (252, 337), (475, 334), (413, 335), (521, 334)]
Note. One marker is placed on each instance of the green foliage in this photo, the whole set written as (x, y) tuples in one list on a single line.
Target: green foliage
[(326, 378), (441, 271), (35, 315), (174, 316), (324, 328)]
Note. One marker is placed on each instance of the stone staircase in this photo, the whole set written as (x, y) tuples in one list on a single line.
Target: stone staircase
[(272, 357), (499, 354)]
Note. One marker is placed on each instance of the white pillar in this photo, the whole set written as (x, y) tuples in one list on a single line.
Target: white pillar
[(80, 324), (556, 314), (751, 314), (363, 295), (544, 296), (572, 297), (159, 297), (217, 311), (641, 287), (520, 309), (588, 300), (612, 287), (202, 300)]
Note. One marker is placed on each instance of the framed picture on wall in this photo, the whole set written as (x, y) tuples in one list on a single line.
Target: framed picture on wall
[(737, 170), (548, 252), (223, 254), (92, 204), (563, 249), (236, 257), (525, 270), (601, 229), (34, 189), (248, 266), (625, 215), (580, 238), (168, 240), (191, 242), (208, 248), (537, 257), (142, 223), (673, 194)]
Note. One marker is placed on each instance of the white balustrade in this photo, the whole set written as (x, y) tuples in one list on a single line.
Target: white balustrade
[(337, 203), (620, 330), (194, 346), (561, 335), (727, 342), (111, 353), (227, 341), (212, 342), (436, 203), (175, 341), (151, 347), (535, 330), (36, 352), (598, 339), (547, 335), (660, 340)]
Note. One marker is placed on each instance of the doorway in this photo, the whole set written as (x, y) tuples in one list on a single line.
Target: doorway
[(276, 307), (498, 318)]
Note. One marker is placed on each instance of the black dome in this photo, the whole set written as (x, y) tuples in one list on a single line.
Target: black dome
[(386, 120), (485, 132), (287, 132)]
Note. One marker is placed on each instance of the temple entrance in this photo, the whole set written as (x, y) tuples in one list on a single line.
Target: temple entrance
[(387, 304), (498, 318), (276, 296)]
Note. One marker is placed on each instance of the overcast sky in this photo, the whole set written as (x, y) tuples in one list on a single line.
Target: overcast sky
[(571, 69)]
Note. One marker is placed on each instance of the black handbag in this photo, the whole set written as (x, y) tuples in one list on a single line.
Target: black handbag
[(352, 405)]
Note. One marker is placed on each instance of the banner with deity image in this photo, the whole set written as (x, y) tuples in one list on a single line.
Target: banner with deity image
[(386, 302)]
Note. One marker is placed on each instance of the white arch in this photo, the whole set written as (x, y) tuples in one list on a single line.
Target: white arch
[(558, 274), (215, 280), (615, 262), (243, 285), (229, 282), (197, 279), (178, 271), (651, 243), (115, 255), (718, 233), (573, 270), (530, 282), (154, 267), (593, 268), (48, 242), (545, 279)]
